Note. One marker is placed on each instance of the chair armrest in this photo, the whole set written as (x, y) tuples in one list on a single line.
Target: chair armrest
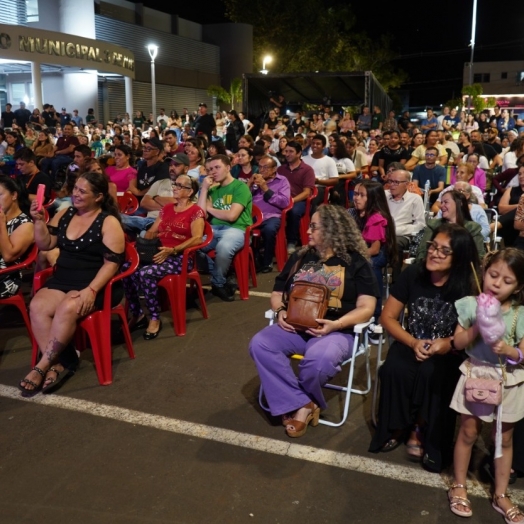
[(361, 326)]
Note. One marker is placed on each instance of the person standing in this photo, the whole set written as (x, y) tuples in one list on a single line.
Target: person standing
[(22, 116), (7, 116), (204, 123)]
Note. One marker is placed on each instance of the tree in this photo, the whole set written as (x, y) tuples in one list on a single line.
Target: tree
[(232, 97), (477, 102), (307, 36)]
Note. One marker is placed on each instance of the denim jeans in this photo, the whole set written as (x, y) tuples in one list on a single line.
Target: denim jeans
[(226, 242), (293, 221), (54, 164), (269, 229), (136, 224)]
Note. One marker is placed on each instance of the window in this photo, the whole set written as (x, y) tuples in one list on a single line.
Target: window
[(480, 78), (504, 76), (32, 10)]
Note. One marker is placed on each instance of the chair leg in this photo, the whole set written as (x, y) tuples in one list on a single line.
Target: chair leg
[(101, 346), (241, 265), (120, 311), (195, 279)]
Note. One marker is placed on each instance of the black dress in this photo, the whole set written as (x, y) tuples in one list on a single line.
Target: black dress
[(410, 389), (81, 259)]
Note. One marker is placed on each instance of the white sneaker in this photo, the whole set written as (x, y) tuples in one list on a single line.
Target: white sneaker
[(373, 337), (291, 248)]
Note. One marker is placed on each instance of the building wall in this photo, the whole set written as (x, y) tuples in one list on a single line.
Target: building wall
[(497, 84)]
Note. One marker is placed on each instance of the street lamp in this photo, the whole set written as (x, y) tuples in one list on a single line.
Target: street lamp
[(266, 60), (472, 44), (153, 51)]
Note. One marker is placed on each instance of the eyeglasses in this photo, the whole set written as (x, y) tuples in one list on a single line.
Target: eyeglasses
[(313, 226), (264, 167), (442, 252), (180, 186), (397, 182), (150, 149), (430, 154)]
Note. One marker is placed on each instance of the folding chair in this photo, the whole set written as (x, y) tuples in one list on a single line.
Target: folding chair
[(495, 239), (175, 285), (360, 347), (97, 325)]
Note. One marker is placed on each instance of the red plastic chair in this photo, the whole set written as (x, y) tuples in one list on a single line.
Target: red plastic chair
[(17, 300), (127, 203), (304, 221), (281, 245), (175, 285), (97, 325), (244, 260)]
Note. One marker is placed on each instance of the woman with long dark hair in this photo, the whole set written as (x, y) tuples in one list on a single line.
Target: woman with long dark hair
[(371, 213), (91, 241), (420, 373), (455, 209), (16, 230), (234, 131)]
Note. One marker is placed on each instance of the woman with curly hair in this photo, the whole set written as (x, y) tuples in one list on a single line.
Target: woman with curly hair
[(336, 255)]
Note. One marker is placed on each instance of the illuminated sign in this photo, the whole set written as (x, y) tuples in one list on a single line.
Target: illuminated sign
[(23, 43)]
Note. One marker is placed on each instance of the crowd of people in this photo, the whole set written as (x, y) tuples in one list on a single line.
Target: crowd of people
[(378, 190)]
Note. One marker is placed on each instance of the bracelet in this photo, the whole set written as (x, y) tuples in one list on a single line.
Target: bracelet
[(515, 362), (94, 292)]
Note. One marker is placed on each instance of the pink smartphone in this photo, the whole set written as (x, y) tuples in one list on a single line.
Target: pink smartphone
[(40, 195)]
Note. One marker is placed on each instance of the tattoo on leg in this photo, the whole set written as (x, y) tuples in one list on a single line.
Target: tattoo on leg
[(54, 348)]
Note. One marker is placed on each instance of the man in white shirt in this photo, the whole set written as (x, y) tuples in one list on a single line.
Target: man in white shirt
[(162, 118), (325, 168), (407, 210)]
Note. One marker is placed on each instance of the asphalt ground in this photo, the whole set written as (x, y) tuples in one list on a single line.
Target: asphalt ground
[(179, 437)]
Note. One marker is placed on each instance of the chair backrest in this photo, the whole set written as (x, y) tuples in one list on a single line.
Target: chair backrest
[(28, 260), (131, 256), (127, 203), (190, 252)]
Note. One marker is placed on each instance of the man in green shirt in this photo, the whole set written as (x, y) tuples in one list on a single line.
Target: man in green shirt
[(227, 203)]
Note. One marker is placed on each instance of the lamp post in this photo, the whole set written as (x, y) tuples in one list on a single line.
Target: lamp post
[(266, 60), (472, 44), (153, 51)]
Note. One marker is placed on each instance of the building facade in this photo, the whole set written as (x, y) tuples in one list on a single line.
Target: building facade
[(82, 54)]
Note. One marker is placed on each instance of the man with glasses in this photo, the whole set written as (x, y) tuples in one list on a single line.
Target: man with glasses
[(430, 171), (407, 210), (150, 171), (419, 155), (26, 164), (227, 203), (271, 194), (158, 195)]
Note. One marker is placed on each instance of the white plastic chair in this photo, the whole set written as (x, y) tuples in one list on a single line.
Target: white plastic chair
[(360, 347), (496, 240)]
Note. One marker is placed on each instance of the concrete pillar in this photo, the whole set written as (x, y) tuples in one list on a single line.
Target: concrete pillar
[(36, 79), (129, 95)]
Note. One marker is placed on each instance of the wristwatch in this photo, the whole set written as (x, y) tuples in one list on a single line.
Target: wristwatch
[(278, 310)]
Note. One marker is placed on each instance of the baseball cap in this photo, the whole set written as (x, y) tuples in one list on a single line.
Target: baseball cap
[(179, 158), (155, 142), (202, 104)]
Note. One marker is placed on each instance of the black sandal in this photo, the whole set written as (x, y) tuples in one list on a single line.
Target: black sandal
[(28, 393)]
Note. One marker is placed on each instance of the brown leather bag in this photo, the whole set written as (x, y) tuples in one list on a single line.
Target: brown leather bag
[(307, 302)]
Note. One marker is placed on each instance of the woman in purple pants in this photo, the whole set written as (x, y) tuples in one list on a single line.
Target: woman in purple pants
[(336, 256)]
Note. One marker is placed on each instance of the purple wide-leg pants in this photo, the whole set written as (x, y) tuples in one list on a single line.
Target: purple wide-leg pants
[(284, 391)]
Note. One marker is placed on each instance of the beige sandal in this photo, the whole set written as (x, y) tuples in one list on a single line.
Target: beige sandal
[(455, 501), (511, 513)]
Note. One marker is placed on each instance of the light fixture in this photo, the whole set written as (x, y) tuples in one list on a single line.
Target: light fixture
[(153, 51), (266, 60)]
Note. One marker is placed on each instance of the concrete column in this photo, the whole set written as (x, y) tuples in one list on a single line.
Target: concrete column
[(129, 95), (36, 79)]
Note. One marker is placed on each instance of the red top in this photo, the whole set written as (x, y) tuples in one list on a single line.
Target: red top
[(175, 228)]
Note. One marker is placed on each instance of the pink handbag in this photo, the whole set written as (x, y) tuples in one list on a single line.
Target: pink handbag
[(483, 391)]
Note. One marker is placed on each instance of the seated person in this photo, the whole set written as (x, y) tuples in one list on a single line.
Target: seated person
[(420, 373), (271, 194), (121, 173), (159, 194), (336, 255), (26, 163), (227, 202), (430, 172), (16, 231), (180, 224), (91, 242), (455, 210), (301, 178)]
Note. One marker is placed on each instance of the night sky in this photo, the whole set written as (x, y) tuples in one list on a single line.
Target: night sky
[(431, 38)]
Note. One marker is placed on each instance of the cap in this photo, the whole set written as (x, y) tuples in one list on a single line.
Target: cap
[(155, 142), (64, 109), (202, 104), (179, 158)]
